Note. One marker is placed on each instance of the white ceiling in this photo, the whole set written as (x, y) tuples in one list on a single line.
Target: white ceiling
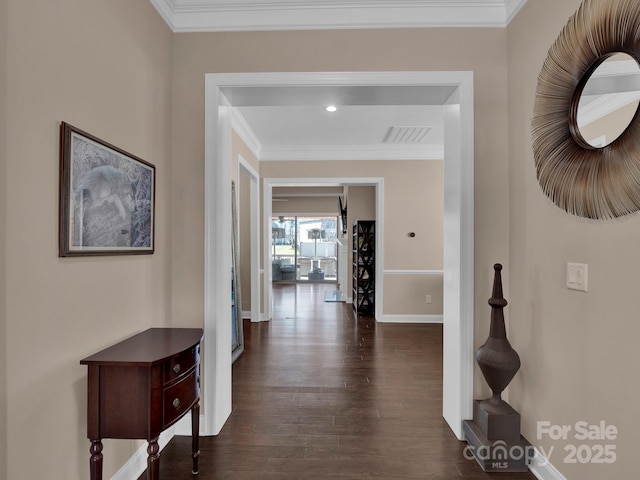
[(290, 123)]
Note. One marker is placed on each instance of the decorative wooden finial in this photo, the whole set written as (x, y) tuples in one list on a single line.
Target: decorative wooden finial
[(498, 361)]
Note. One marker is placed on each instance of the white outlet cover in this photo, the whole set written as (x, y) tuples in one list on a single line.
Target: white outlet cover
[(577, 276)]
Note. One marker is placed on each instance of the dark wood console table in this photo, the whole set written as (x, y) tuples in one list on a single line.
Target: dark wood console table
[(141, 386)]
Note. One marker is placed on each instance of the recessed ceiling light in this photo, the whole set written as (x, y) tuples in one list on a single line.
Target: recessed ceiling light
[(331, 108)]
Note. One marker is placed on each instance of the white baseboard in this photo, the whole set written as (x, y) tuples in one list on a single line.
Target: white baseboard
[(183, 426), (542, 468), (246, 315), (411, 319), (138, 462)]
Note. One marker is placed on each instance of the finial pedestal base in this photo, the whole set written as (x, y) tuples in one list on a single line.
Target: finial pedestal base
[(495, 440), (504, 425)]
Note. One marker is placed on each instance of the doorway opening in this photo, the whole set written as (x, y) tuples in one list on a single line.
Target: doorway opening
[(458, 230), (305, 249)]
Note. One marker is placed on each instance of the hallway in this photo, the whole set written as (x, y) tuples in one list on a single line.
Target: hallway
[(319, 394)]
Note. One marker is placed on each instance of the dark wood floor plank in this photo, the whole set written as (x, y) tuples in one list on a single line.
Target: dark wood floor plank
[(321, 394)]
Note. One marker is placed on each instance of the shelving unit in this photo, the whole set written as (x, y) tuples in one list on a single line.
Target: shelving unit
[(364, 266)]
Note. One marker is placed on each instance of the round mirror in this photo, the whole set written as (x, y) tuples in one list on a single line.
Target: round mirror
[(609, 100), (597, 178)]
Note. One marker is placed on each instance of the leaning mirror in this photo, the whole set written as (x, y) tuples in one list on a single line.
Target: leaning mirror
[(586, 125)]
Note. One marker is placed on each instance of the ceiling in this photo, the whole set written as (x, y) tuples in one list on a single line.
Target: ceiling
[(371, 122)]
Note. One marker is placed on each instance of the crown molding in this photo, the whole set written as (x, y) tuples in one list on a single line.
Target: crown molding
[(512, 7), (266, 15), (245, 132), (352, 152)]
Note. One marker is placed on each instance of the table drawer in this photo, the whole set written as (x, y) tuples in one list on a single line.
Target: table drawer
[(181, 364), (180, 397)]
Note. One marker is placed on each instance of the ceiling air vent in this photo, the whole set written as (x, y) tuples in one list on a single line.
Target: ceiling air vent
[(406, 135)]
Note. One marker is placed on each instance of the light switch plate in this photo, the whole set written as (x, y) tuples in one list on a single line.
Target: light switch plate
[(577, 276)]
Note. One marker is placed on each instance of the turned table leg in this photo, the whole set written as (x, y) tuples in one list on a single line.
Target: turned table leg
[(95, 463), (195, 436), (153, 460)]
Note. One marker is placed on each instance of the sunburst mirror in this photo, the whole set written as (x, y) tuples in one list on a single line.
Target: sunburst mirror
[(586, 121)]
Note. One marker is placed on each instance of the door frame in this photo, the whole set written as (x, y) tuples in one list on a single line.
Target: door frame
[(458, 230), (269, 183)]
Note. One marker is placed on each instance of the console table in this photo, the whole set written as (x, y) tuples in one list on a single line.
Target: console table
[(141, 386)]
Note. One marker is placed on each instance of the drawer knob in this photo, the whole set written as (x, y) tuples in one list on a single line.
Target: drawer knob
[(176, 403), (176, 368)]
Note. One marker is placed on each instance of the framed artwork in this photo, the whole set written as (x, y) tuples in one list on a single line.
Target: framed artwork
[(107, 198)]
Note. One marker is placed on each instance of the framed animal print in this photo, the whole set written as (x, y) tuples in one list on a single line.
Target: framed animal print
[(107, 198)]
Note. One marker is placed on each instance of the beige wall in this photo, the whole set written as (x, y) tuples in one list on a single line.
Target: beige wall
[(3, 186), (105, 67), (303, 190), (360, 202), (480, 50), (407, 294), (361, 205), (414, 202), (307, 206), (578, 350)]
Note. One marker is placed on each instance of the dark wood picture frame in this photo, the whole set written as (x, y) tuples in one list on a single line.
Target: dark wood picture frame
[(107, 198)]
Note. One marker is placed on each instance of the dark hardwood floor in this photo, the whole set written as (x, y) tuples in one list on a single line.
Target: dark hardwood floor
[(319, 394)]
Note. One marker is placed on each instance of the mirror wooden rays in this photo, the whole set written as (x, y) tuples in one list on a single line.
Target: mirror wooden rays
[(593, 180)]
